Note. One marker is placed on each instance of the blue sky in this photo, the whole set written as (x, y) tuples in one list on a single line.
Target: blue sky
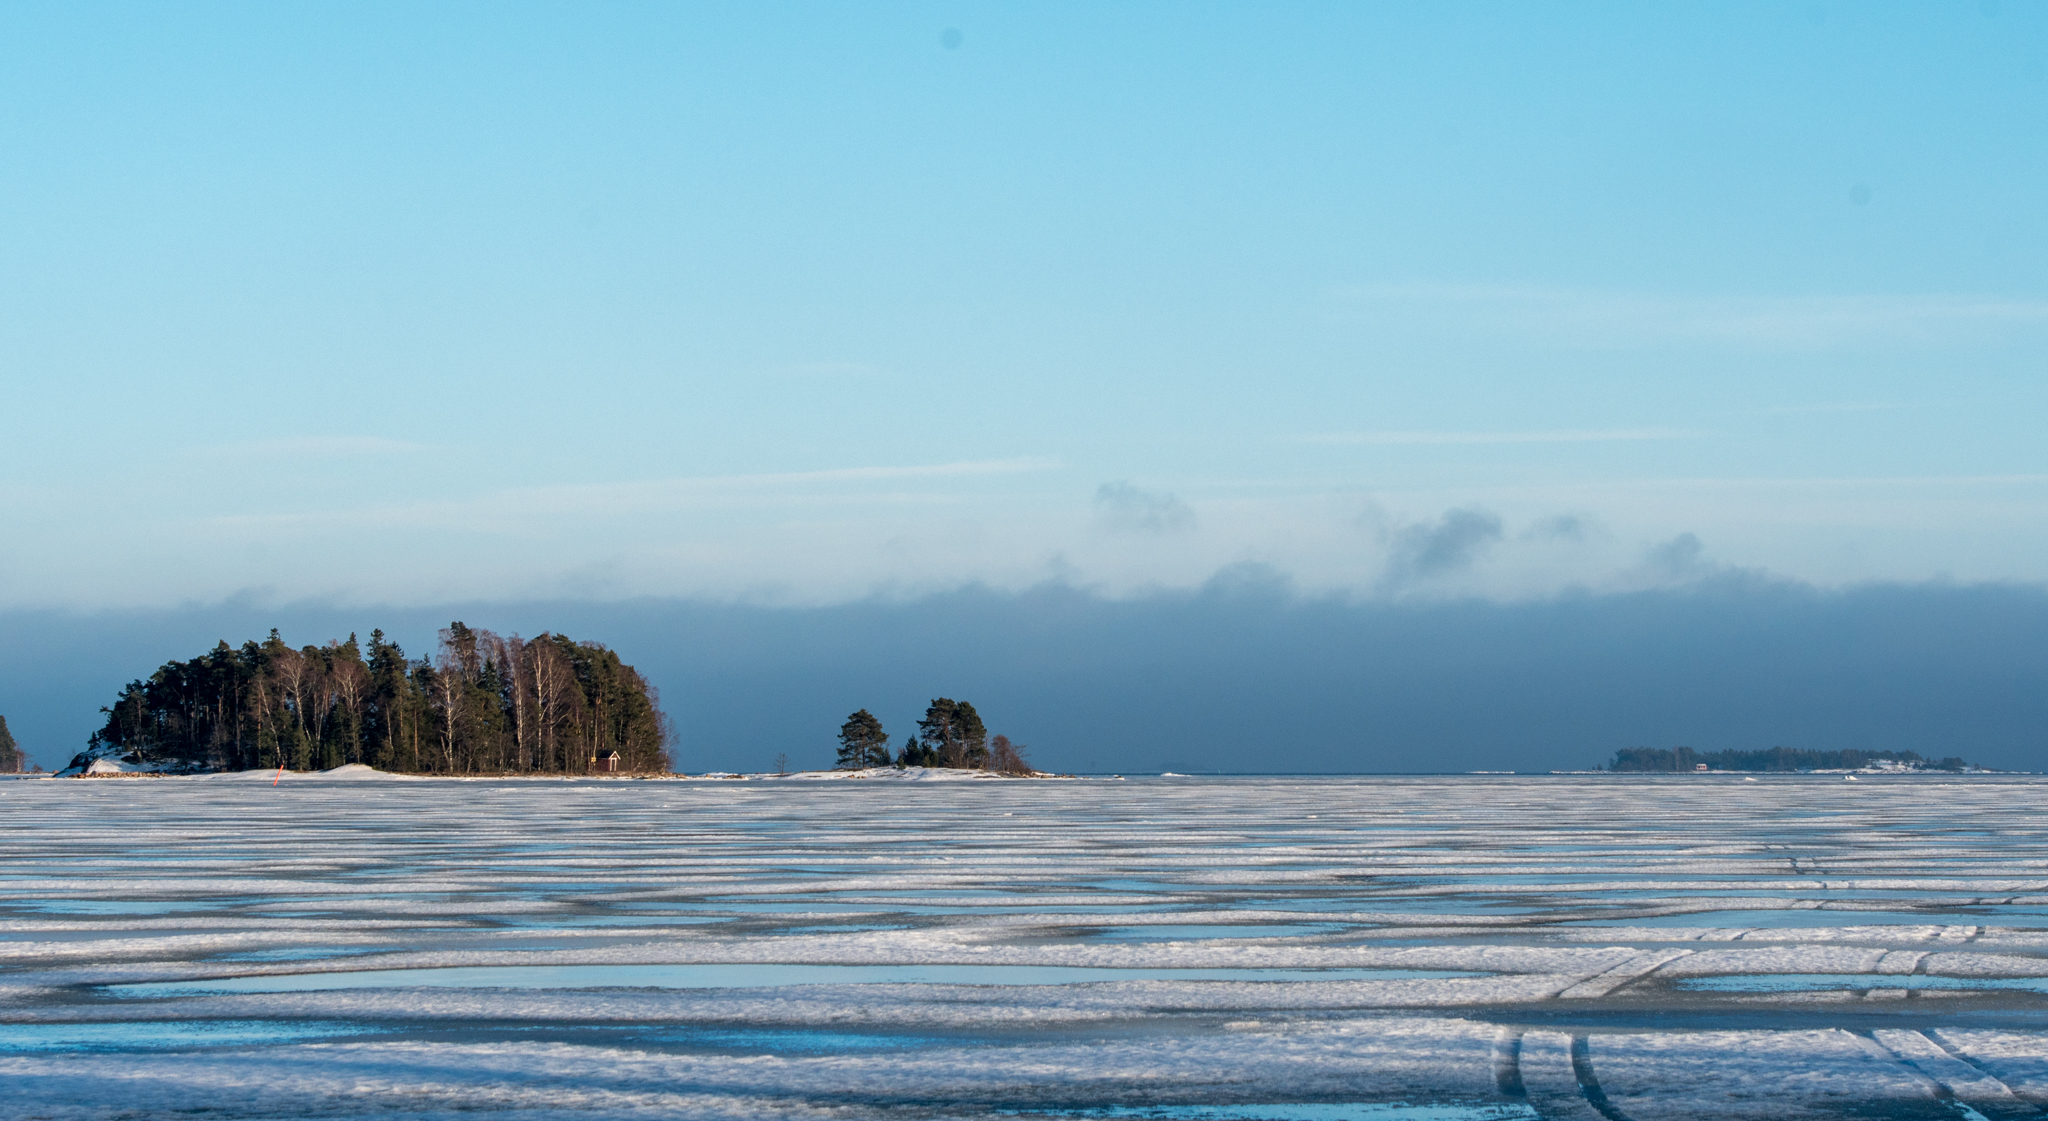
[(799, 304)]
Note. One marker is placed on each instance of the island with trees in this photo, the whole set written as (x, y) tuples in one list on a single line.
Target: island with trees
[(951, 735), (12, 761), (484, 704), (1776, 760)]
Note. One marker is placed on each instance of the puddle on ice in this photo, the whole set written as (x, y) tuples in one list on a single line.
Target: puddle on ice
[(302, 953), (165, 1035), (121, 906), (1133, 885), (738, 976)]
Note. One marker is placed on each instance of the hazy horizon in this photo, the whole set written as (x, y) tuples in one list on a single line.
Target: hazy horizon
[(1204, 680)]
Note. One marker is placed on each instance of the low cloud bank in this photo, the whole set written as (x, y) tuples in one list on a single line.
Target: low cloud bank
[(1241, 676)]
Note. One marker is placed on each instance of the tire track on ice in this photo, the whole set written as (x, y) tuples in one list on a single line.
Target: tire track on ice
[(1555, 1071), (1627, 973), (1957, 1078)]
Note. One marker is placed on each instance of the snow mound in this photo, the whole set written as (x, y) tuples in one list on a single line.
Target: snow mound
[(940, 774), (349, 772), (106, 759), (891, 774), (817, 776), (357, 772), (110, 767)]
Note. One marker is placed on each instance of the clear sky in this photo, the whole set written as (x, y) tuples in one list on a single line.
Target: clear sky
[(800, 303)]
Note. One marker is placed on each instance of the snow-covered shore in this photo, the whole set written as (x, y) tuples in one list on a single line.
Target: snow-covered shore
[(104, 767)]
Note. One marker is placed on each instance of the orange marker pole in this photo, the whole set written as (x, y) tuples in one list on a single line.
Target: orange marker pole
[(280, 774)]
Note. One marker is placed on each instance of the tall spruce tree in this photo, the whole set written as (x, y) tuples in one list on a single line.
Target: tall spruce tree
[(11, 759)]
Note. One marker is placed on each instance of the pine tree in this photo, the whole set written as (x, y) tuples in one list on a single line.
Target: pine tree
[(861, 739), (10, 752), (955, 733)]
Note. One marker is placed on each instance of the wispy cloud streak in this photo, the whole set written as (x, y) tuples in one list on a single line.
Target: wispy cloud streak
[(646, 496), (1599, 318), (286, 448), (1551, 436), (849, 474)]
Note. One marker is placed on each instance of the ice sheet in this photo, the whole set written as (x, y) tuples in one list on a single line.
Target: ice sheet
[(1452, 948)]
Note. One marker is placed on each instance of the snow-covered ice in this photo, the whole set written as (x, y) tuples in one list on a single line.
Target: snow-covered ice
[(1485, 946)]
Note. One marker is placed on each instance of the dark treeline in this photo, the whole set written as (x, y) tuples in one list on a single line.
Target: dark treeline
[(11, 758), (1773, 759), (950, 735), (486, 704)]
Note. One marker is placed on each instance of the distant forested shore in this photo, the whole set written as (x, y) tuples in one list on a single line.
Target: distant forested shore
[(1775, 759), (484, 704)]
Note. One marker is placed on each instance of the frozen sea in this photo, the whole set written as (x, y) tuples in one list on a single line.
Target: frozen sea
[(1291, 949)]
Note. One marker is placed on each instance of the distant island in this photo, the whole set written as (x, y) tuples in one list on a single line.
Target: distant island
[(951, 735), (1777, 759), (485, 704)]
